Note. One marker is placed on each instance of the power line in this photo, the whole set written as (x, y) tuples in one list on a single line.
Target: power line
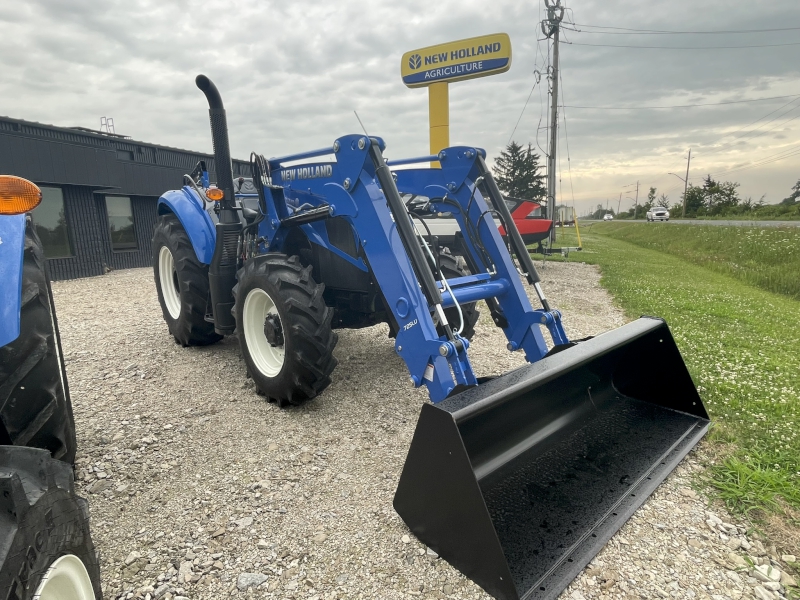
[(684, 47), (536, 81), (756, 121), (666, 32), (566, 139), (783, 154), (766, 130), (709, 144), (684, 105)]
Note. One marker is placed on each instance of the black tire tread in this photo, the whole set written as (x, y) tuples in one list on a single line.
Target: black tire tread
[(35, 406), (311, 361), (191, 327), (41, 519)]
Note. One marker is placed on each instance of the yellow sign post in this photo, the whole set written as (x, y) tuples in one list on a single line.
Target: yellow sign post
[(435, 66)]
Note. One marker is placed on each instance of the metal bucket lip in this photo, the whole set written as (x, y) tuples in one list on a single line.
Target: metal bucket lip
[(473, 402)]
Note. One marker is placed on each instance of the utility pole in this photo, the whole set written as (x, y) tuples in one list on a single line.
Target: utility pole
[(686, 183), (636, 202), (550, 28), (620, 202)]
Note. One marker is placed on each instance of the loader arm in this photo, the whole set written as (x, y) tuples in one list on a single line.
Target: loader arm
[(351, 188), (456, 188)]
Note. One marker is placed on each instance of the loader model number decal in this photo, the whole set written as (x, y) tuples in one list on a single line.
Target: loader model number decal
[(312, 172), (408, 326)]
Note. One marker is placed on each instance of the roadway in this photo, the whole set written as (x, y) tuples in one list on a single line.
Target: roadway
[(734, 223)]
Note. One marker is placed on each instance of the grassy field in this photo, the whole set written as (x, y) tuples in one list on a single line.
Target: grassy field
[(740, 340), (766, 257)]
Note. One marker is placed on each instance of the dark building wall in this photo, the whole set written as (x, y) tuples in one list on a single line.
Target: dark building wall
[(87, 166), (87, 236), (144, 220)]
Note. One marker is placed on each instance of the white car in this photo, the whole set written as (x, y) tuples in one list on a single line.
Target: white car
[(608, 217), (658, 213)]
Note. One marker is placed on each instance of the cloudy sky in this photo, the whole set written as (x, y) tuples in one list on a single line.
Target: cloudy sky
[(292, 73)]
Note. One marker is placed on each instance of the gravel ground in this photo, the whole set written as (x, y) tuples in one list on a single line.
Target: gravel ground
[(199, 488)]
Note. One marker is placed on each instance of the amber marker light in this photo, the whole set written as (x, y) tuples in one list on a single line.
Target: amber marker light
[(214, 194), (18, 195)]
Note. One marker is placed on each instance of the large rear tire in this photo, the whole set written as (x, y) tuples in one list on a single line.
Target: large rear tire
[(35, 407), (182, 284), (48, 552), (453, 267), (284, 329)]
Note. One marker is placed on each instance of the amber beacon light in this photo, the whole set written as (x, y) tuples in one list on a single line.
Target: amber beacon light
[(18, 195), (214, 194)]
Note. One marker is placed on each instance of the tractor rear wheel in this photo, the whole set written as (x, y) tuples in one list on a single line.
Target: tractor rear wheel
[(48, 550), (35, 407), (284, 329), (453, 267), (182, 284)]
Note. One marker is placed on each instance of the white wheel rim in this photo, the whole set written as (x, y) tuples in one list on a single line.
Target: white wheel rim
[(267, 359), (167, 277), (66, 579)]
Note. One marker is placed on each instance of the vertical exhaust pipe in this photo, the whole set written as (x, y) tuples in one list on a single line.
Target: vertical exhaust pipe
[(222, 272)]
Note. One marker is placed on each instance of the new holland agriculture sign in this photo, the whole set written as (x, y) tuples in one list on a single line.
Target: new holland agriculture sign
[(454, 61)]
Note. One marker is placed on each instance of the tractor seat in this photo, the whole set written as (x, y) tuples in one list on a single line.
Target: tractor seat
[(244, 185), (250, 209)]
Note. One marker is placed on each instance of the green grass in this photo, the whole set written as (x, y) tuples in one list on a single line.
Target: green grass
[(740, 342), (766, 257)]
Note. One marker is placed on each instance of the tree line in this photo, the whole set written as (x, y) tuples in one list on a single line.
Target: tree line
[(517, 172)]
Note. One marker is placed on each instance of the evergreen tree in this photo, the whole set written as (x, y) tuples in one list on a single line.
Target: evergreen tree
[(516, 171)]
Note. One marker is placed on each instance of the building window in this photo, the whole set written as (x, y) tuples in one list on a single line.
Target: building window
[(124, 155), (120, 221), (51, 224)]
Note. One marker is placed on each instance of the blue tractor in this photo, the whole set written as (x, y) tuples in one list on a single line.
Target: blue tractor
[(517, 481), (46, 549)]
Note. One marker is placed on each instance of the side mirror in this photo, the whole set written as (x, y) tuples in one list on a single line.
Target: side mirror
[(18, 195)]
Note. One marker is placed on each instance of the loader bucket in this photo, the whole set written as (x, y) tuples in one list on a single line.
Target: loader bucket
[(520, 481)]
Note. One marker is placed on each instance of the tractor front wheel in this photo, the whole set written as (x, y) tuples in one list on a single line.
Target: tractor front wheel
[(284, 329), (182, 284)]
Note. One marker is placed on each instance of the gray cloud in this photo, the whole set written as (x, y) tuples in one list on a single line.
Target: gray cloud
[(292, 73)]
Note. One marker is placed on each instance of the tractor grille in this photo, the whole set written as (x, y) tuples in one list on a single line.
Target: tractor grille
[(230, 243)]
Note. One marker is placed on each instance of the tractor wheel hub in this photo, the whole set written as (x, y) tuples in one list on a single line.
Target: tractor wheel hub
[(273, 330)]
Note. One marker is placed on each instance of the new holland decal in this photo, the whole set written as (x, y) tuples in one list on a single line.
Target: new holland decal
[(455, 61)]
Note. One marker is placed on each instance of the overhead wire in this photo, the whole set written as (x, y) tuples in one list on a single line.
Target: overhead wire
[(723, 103), (537, 79), (763, 161), (684, 47), (633, 31), (513, 131), (566, 140)]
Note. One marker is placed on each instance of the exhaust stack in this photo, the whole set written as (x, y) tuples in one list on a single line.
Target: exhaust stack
[(222, 272)]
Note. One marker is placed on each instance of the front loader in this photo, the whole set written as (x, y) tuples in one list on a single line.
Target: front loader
[(518, 480)]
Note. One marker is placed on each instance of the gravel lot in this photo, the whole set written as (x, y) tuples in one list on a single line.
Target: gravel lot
[(199, 488)]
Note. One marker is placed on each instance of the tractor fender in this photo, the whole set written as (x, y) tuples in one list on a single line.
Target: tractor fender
[(188, 207), (12, 249)]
